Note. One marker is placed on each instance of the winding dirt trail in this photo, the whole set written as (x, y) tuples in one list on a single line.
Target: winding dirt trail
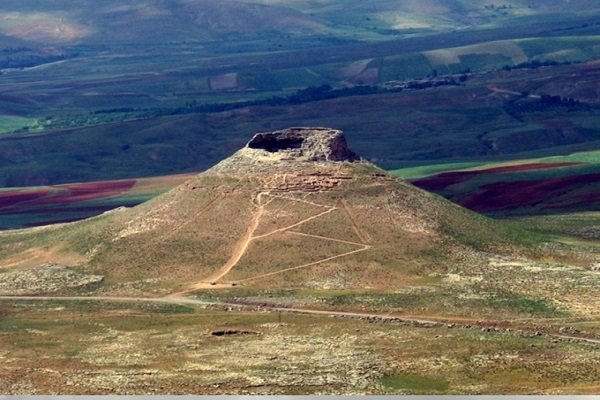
[(238, 252), (240, 248)]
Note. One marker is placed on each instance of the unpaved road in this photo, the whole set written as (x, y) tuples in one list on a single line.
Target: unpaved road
[(330, 313), (512, 92), (240, 248)]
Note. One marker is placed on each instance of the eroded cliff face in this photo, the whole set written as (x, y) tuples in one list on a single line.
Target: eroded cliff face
[(291, 148), (305, 144)]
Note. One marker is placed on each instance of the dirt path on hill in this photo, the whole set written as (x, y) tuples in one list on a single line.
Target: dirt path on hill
[(238, 252), (241, 248)]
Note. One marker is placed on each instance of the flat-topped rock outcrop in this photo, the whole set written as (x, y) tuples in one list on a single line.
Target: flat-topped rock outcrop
[(292, 147)]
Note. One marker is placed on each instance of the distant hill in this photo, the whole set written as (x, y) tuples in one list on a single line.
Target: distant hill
[(16, 52), (161, 21), (153, 21), (434, 15)]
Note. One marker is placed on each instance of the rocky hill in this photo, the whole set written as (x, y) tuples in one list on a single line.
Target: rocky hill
[(293, 208)]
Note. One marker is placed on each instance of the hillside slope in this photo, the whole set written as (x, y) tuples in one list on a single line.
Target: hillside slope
[(294, 208), (148, 21)]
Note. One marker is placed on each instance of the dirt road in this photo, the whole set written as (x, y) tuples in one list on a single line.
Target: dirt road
[(485, 326)]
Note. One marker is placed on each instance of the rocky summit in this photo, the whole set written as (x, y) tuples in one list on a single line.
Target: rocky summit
[(293, 147)]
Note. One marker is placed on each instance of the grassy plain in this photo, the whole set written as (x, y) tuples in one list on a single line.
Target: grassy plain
[(9, 123), (119, 348)]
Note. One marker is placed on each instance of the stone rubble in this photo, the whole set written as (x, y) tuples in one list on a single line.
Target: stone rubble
[(46, 278)]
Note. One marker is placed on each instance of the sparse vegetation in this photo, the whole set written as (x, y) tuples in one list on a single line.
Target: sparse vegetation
[(409, 383), (522, 304), (94, 348)]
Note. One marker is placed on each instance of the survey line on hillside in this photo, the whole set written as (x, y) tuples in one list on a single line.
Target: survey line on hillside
[(193, 218), (303, 201), (189, 220), (324, 238), (364, 236), (241, 247), (365, 248), (297, 224)]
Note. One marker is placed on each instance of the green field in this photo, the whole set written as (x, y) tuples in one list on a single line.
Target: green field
[(588, 157), (9, 123), (469, 123)]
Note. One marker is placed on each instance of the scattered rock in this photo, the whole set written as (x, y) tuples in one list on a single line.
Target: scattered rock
[(46, 278), (231, 332)]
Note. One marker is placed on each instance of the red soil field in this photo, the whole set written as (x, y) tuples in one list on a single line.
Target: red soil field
[(25, 207), (439, 182), (528, 167), (12, 198), (62, 194), (513, 195), (95, 190)]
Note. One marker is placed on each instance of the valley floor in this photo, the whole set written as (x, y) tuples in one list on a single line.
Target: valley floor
[(77, 346)]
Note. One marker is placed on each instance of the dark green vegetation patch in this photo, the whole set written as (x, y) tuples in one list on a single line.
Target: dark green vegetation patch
[(410, 383)]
